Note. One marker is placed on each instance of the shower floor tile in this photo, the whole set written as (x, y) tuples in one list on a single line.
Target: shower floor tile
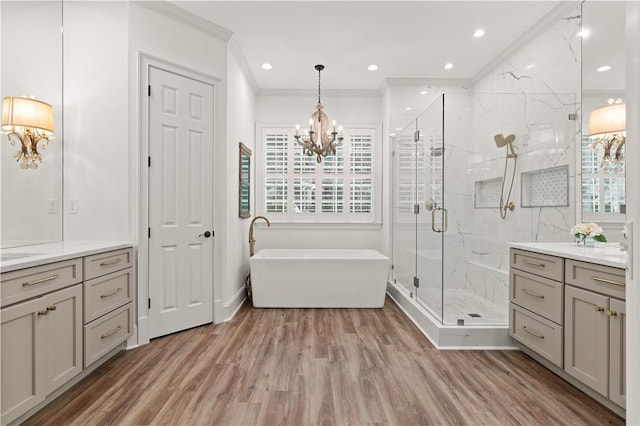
[(461, 304)]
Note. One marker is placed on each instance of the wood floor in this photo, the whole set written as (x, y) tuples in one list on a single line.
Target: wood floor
[(319, 366)]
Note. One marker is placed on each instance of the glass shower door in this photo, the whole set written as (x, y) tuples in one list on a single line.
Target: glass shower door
[(431, 215)]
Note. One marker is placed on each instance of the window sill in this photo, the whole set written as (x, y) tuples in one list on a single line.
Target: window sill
[(321, 225)]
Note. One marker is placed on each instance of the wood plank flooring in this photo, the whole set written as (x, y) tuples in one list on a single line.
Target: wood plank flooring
[(319, 366)]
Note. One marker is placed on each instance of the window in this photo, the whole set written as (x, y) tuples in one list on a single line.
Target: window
[(603, 189), (293, 187)]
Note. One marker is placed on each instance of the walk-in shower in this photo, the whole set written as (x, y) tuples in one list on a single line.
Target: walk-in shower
[(449, 248), (502, 140)]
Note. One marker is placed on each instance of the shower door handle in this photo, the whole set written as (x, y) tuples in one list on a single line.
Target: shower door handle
[(445, 220)]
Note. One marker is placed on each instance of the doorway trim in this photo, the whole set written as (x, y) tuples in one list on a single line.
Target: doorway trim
[(145, 62)]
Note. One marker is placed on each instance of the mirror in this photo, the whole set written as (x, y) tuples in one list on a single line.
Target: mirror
[(31, 54), (244, 190), (603, 44)]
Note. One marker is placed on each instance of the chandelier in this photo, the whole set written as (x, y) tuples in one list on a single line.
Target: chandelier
[(318, 139), (607, 127)]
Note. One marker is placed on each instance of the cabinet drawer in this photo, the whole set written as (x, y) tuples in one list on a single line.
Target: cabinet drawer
[(103, 263), (545, 265), (602, 279), (537, 333), (537, 294), (31, 282), (104, 294), (107, 332)]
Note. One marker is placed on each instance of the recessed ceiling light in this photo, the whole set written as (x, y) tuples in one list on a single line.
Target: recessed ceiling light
[(373, 67), (478, 33), (266, 66), (604, 68), (424, 92), (448, 66), (584, 33), (398, 128), (392, 134), (407, 108), (529, 66)]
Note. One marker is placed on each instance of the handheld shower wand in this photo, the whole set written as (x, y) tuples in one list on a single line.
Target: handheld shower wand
[(502, 140)]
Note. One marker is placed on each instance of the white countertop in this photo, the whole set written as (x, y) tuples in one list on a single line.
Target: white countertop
[(608, 254), (15, 258)]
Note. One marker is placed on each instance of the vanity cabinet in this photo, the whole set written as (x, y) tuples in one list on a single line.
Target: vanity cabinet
[(595, 316), (536, 294), (572, 314), (41, 348), (56, 320)]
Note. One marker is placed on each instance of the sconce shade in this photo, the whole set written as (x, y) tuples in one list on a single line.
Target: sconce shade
[(26, 113), (608, 119)]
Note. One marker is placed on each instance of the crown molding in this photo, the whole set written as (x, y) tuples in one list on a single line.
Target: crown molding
[(540, 27), (236, 51), (398, 82), (337, 93), (194, 21)]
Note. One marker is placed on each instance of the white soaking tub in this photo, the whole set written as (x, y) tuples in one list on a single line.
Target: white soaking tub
[(318, 278)]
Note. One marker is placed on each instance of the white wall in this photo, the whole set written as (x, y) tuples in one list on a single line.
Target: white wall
[(240, 128), (348, 110), (96, 143)]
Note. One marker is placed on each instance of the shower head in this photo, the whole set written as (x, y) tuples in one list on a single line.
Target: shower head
[(502, 140)]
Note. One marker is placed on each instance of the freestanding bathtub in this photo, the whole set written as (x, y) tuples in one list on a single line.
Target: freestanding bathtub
[(318, 278)]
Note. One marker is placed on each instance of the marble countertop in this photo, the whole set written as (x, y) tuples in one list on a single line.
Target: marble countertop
[(15, 258), (608, 254)]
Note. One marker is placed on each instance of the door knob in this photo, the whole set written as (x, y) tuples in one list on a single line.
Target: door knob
[(206, 234)]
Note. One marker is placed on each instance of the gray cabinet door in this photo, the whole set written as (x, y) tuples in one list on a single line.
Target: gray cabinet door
[(586, 344), (617, 362)]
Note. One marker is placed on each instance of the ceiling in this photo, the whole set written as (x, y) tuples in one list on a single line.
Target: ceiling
[(407, 39)]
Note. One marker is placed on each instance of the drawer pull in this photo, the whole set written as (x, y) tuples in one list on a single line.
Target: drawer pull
[(611, 313), (43, 280), (531, 293), (112, 332), (599, 309), (539, 336), (110, 262), (43, 312), (529, 262), (111, 293), (52, 308), (604, 280)]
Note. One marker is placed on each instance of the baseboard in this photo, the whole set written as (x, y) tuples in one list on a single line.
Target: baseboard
[(233, 305)]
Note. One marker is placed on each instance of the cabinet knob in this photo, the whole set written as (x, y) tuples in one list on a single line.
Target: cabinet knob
[(599, 308), (52, 308), (612, 313), (43, 312)]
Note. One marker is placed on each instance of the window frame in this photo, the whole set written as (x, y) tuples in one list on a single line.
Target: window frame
[(318, 217)]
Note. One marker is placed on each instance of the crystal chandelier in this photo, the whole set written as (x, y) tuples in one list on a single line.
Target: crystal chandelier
[(318, 139)]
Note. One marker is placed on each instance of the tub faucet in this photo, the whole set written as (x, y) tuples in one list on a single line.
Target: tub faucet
[(252, 241)]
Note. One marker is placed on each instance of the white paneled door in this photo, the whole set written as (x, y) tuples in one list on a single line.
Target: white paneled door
[(180, 202)]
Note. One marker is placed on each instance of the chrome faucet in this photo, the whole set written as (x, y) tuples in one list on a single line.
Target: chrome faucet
[(252, 241)]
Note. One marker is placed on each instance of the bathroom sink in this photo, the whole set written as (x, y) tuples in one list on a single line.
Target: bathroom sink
[(14, 256)]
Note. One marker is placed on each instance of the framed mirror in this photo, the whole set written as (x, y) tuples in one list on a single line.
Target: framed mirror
[(244, 189), (603, 90)]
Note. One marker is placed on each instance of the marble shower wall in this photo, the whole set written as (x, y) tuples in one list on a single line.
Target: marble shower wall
[(531, 95)]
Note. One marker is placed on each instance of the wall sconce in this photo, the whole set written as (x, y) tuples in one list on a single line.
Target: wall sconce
[(607, 125), (28, 121)]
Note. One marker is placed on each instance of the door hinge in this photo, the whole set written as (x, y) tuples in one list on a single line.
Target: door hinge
[(393, 267), (149, 90), (149, 303), (416, 209), (149, 161), (416, 282), (573, 117), (149, 232)]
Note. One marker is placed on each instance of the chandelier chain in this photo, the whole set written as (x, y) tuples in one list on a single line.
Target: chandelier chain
[(319, 71)]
